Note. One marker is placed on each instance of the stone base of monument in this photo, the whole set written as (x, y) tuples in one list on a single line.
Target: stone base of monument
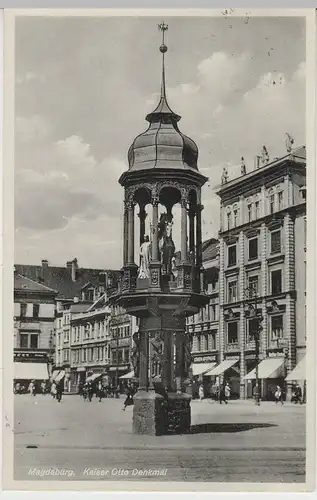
[(156, 415)]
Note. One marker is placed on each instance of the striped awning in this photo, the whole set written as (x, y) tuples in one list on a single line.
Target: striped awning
[(222, 367), (128, 375), (268, 368), (93, 377), (201, 368), (30, 371), (299, 372), (58, 377)]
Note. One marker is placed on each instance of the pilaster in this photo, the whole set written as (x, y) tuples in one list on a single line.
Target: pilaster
[(289, 247), (242, 341), (263, 246), (221, 336)]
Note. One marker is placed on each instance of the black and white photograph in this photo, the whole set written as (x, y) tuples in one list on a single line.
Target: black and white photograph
[(158, 313)]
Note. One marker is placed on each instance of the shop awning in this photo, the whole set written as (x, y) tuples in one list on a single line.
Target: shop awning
[(201, 368), (59, 376), (30, 371), (222, 367), (93, 377), (54, 374), (128, 375), (299, 372), (268, 368)]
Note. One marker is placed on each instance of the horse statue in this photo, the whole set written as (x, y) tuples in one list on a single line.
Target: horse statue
[(165, 242)]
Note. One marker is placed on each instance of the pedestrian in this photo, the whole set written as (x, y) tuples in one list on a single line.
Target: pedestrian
[(297, 394), (90, 391), (129, 399), (278, 395), (43, 387), (32, 388), (201, 392), (222, 396), (100, 391), (53, 389), (59, 391), (227, 392)]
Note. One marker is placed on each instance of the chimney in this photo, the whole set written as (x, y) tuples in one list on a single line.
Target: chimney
[(74, 267), (44, 263)]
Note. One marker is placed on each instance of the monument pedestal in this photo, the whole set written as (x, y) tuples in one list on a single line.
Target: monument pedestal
[(156, 415)]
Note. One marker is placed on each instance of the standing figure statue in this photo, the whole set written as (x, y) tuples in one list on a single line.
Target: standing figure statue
[(166, 243), (145, 250), (289, 142), (243, 167), (264, 155), (224, 177)]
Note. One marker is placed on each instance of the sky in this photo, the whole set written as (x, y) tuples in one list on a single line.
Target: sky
[(83, 87)]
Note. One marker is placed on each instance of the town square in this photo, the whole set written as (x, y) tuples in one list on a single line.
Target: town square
[(159, 277)]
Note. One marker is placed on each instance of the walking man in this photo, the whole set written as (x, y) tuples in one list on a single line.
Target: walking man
[(278, 395), (227, 392)]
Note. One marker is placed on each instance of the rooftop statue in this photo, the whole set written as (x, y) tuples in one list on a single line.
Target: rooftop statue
[(243, 167), (224, 177)]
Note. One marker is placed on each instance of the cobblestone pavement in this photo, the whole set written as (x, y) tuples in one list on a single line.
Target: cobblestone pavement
[(233, 443)]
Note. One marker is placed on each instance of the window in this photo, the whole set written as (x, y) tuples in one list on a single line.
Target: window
[(34, 341), (253, 248), (36, 310), (206, 342), (198, 343), (276, 241), (120, 356), (232, 255), (229, 220), (277, 327), (254, 285), (249, 212), (252, 329), (257, 209), (24, 340), (213, 341), (276, 282), (232, 328), (235, 217), (23, 308), (232, 291), (280, 200), (272, 200)]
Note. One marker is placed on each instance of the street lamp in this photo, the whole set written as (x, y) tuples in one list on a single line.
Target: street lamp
[(252, 298)]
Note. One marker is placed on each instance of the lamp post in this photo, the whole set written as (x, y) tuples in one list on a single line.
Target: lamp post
[(252, 298)]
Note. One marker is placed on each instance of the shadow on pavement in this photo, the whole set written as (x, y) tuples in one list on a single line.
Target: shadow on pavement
[(226, 427)]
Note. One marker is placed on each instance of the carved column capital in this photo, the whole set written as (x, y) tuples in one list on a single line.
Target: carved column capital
[(184, 197), (155, 196)]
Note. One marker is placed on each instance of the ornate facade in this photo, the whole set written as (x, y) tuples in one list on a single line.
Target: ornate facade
[(262, 245)]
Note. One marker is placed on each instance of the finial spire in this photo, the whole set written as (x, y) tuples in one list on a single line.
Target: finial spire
[(163, 48), (163, 108)]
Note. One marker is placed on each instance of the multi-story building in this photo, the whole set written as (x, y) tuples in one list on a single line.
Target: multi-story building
[(74, 290), (89, 342), (122, 328), (34, 313), (204, 325), (262, 246)]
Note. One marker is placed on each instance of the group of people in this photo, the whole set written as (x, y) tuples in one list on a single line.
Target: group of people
[(88, 389), (57, 390), (219, 392)]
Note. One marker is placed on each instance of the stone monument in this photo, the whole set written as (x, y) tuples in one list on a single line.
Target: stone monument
[(163, 290)]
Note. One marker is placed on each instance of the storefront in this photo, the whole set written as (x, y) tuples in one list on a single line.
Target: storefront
[(298, 375), (271, 372), (115, 372), (199, 368), (230, 373)]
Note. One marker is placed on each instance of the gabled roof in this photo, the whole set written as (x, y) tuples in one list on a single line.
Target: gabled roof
[(210, 249), (27, 284), (60, 278)]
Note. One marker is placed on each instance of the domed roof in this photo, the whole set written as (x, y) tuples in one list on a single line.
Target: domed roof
[(163, 145)]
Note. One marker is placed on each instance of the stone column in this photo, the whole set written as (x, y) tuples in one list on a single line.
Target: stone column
[(155, 235), (192, 232), (142, 216), (183, 231), (179, 363), (167, 364), (125, 235), (131, 233), (198, 236)]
